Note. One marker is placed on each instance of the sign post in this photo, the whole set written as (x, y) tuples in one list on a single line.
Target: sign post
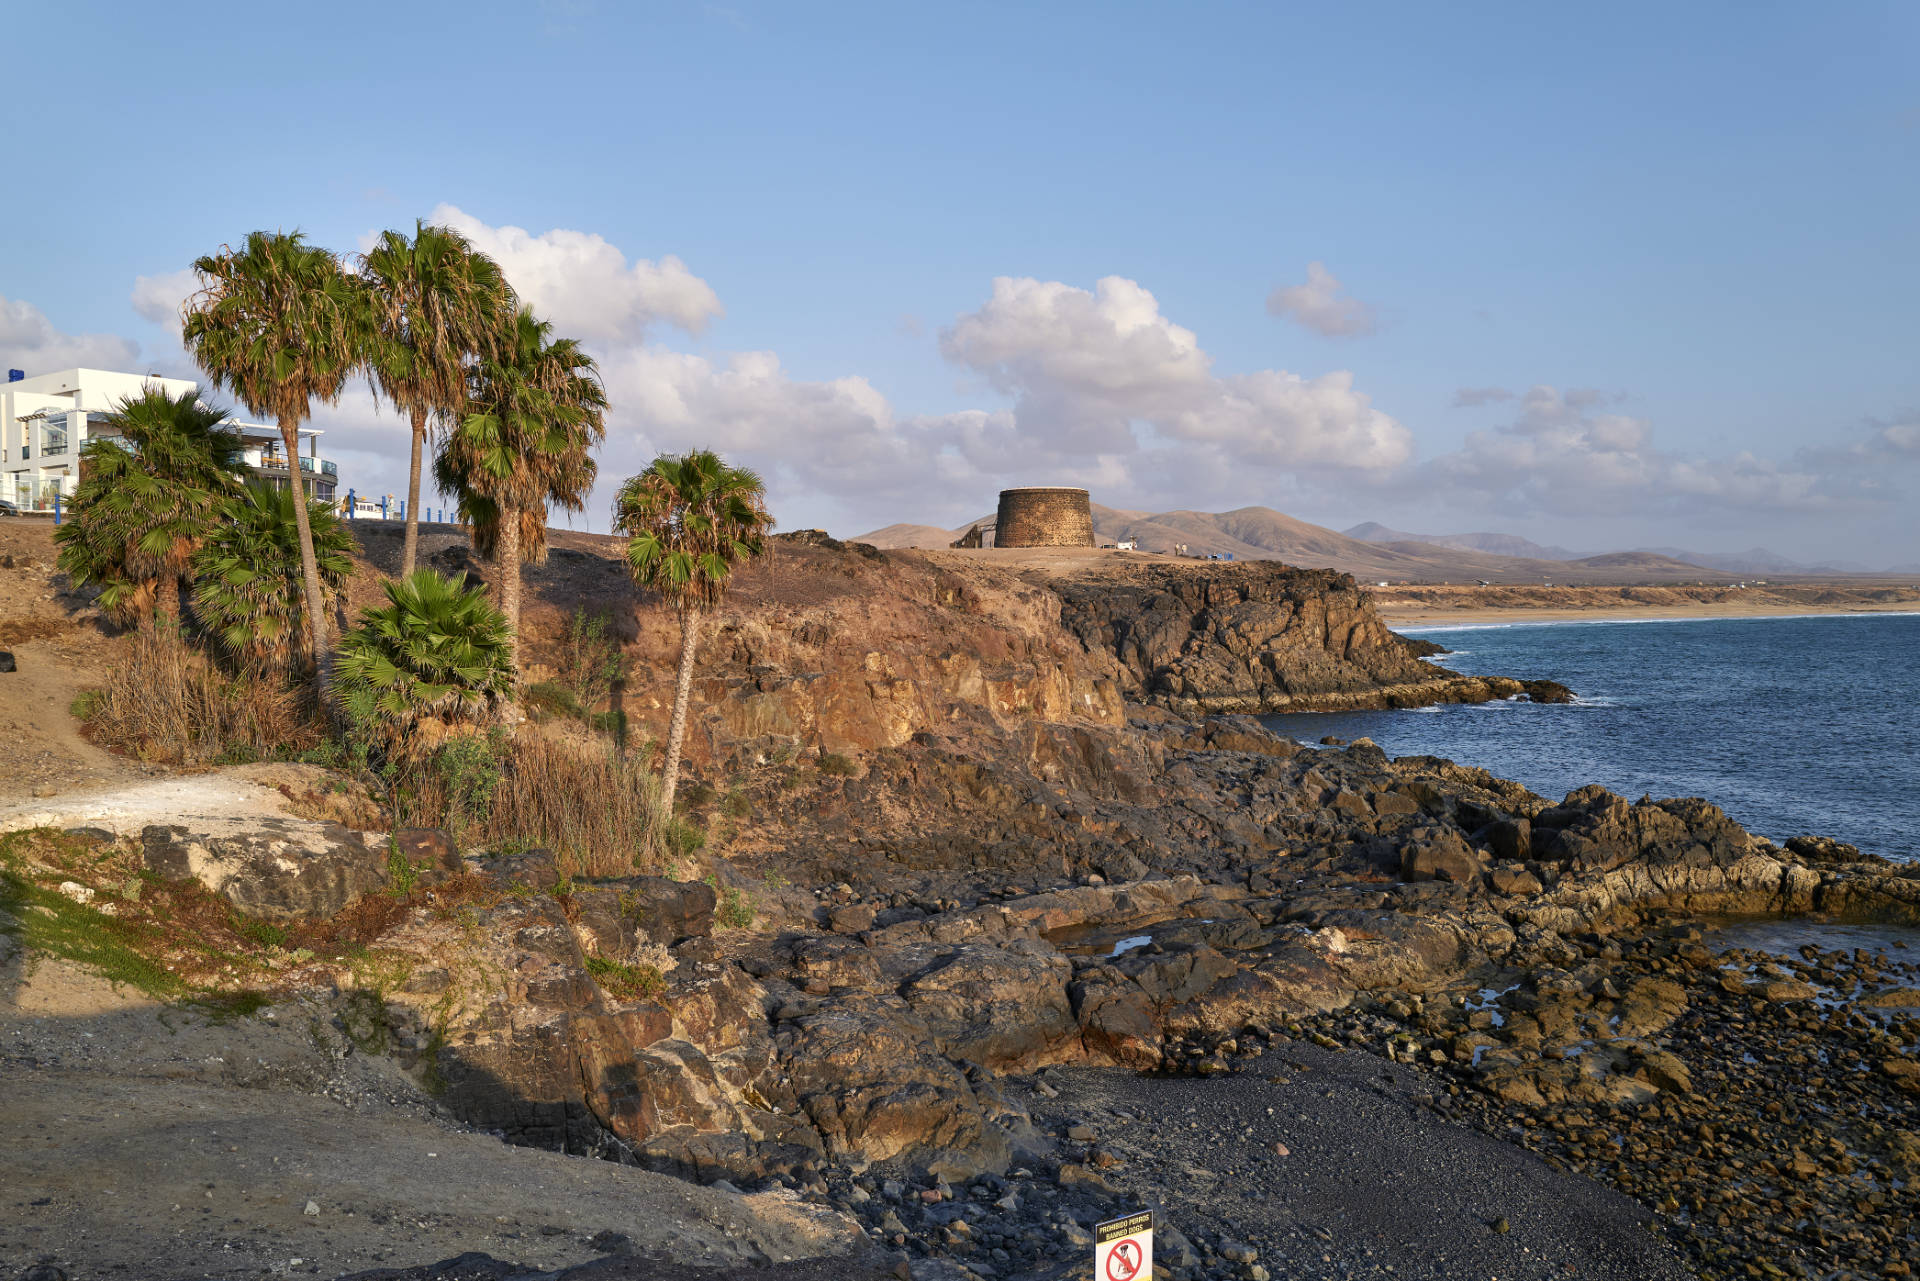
[(1123, 1248)]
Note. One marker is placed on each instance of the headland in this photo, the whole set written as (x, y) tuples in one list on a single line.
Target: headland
[(996, 920)]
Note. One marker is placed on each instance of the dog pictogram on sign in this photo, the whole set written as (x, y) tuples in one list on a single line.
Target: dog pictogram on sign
[(1123, 1248)]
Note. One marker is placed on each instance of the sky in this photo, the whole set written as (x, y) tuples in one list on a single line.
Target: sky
[(1605, 276)]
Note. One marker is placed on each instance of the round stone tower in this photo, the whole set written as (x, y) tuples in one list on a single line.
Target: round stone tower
[(1044, 517)]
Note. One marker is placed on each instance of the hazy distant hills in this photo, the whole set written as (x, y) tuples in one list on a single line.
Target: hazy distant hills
[(1260, 533), (1375, 551), (1758, 560), (1498, 544)]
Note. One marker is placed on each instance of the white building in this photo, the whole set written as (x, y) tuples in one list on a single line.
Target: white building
[(45, 420)]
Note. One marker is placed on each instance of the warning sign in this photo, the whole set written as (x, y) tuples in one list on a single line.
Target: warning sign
[(1123, 1248)]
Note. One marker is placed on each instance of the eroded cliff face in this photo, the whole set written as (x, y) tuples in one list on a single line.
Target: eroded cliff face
[(1255, 638), (841, 648)]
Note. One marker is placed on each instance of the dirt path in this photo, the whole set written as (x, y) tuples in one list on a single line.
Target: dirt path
[(153, 1142), (127, 804)]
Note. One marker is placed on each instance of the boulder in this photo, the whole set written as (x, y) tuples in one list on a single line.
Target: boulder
[(1000, 1007), (1509, 840), (1439, 854), (669, 912), (6, 660), (275, 869), (428, 847)]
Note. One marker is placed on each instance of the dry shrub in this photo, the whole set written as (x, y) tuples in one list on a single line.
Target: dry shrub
[(165, 702), (593, 806)]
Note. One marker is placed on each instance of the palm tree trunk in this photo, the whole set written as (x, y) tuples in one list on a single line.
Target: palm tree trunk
[(509, 555), (316, 609), (682, 695), (410, 546)]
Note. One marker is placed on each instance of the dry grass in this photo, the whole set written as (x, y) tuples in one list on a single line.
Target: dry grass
[(595, 807), (165, 702)]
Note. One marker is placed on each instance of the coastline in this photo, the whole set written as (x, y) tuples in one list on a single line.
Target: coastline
[(1411, 615)]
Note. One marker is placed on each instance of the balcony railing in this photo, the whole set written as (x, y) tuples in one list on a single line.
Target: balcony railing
[(325, 466)]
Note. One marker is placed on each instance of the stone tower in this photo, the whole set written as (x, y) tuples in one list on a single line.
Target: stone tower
[(1044, 517)]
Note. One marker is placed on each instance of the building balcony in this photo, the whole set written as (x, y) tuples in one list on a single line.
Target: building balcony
[(278, 462)]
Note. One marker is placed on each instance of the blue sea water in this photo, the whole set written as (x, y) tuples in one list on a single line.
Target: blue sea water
[(1792, 725)]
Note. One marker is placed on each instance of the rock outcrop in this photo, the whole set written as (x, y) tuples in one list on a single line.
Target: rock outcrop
[(282, 869), (1261, 637)]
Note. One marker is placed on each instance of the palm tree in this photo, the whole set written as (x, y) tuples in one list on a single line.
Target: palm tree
[(438, 648), (148, 496), (689, 520), (247, 577), (438, 304), (281, 324), (537, 409)]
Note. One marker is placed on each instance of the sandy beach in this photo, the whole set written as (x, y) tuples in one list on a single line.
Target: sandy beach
[(1404, 607)]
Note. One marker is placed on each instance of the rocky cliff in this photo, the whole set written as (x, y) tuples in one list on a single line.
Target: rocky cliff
[(976, 826), (1260, 637)]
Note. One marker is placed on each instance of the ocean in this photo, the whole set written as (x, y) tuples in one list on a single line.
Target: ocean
[(1791, 725)]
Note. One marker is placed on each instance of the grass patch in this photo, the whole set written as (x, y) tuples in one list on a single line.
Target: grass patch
[(167, 942), (553, 698), (732, 908), (265, 933), (594, 806), (164, 701), (627, 982), (46, 921)]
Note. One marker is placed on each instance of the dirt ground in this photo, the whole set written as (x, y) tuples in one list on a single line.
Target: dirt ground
[(59, 649), (158, 1143)]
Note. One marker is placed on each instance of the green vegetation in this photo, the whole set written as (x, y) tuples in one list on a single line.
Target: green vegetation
[(437, 304), (44, 920), (164, 701), (833, 763), (523, 442), (280, 323), (591, 663), (627, 982), (148, 498), (689, 520), (437, 648), (595, 807), (247, 590), (735, 910), (173, 943)]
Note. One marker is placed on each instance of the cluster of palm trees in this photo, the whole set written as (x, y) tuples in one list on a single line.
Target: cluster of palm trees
[(511, 412), (436, 329)]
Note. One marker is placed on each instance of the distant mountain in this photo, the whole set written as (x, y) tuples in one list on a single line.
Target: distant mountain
[(1497, 544), (1260, 533), (1642, 563), (918, 537), (1757, 560)]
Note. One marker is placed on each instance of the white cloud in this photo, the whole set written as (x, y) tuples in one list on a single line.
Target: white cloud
[(1319, 306), (1105, 373), (159, 298), (584, 284), (29, 341), (1563, 454)]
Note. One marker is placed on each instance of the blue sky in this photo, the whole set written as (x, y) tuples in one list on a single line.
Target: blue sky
[(1669, 252)]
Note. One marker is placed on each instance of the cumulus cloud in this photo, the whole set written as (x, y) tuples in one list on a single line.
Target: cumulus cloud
[(585, 285), (30, 341), (1564, 453), (1104, 372), (159, 298), (1474, 397), (1319, 306)]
